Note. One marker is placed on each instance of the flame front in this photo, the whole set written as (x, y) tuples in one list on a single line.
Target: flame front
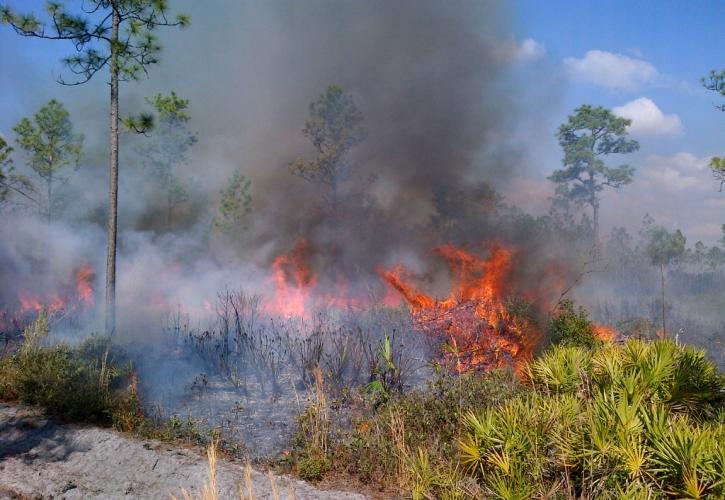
[(74, 296), (481, 333), (293, 280), (605, 333), (84, 284)]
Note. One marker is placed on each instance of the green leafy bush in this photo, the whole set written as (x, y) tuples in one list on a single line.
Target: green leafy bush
[(633, 420), (313, 468), (411, 441), (571, 326), (641, 417), (87, 383)]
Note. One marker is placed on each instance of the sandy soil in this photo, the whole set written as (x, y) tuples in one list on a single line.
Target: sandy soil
[(43, 459)]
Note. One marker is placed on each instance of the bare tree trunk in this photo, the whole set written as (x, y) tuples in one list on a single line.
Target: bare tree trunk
[(50, 218), (112, 226), (594, 202), (169, 205), (664, 326), (50, 199), (335, 243)]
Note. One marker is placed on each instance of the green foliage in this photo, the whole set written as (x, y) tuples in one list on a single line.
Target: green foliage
[(167, 148), (143, 123), (313, 468), (235, 205), (51, 145), (5, 167), (386, 376), (589, 135), (90, 31), (664, 247), (35, 333), (715, 82), (85, 383), (571, 326), (633, 420), (717, 165), (411, 440), (334, 127), (559, 370), (641, 417)]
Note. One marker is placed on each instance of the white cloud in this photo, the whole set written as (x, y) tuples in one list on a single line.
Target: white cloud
[(678, 191), (611, 70), (648, 119), (678, 173), (528, 50)]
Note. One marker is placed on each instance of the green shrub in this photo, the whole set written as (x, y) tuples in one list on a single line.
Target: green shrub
[(639, 420), (412, 440), (636, 420), (83, 383), (313, 468), (571, 326)]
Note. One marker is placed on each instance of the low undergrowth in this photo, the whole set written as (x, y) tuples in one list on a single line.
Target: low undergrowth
[(92, 382), (84, 383), (636, 420)]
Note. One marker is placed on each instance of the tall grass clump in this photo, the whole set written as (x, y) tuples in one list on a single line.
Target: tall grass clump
[(87, 383)]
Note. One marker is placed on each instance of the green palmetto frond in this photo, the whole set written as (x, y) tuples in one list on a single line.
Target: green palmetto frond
[(560, 370)]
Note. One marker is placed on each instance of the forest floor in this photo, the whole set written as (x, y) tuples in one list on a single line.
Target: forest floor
[(41, 458)]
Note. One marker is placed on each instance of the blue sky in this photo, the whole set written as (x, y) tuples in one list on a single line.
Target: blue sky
[(644, 59), (683, 40)]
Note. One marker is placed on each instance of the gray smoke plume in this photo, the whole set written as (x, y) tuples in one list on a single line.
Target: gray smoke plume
[(438, 103), (432, 80)]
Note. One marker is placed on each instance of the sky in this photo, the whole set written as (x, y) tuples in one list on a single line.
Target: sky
[(642, 59)]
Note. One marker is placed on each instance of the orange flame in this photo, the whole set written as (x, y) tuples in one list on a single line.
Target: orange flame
[(74, 295), (605, 333), (481, 333), (84, 284), (34, 303), (294, 280)]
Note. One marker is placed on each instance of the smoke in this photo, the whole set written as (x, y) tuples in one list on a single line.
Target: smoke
[(438, 100), (443, 110), (440, 107)]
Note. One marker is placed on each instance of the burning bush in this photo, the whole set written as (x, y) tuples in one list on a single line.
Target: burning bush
[(480, 329)]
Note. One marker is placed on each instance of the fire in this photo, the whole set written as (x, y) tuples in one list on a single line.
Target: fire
[(72, 296), (605, 333), (84, 284), (474, 319), (294, 281), (480, 331), (33, 303), (299, 292)]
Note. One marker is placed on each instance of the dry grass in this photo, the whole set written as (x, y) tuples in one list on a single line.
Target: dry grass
[(210, 489), (397, 433), (321, 420)]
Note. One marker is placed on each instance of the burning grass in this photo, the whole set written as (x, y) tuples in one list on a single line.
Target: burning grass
[(477, 319)]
